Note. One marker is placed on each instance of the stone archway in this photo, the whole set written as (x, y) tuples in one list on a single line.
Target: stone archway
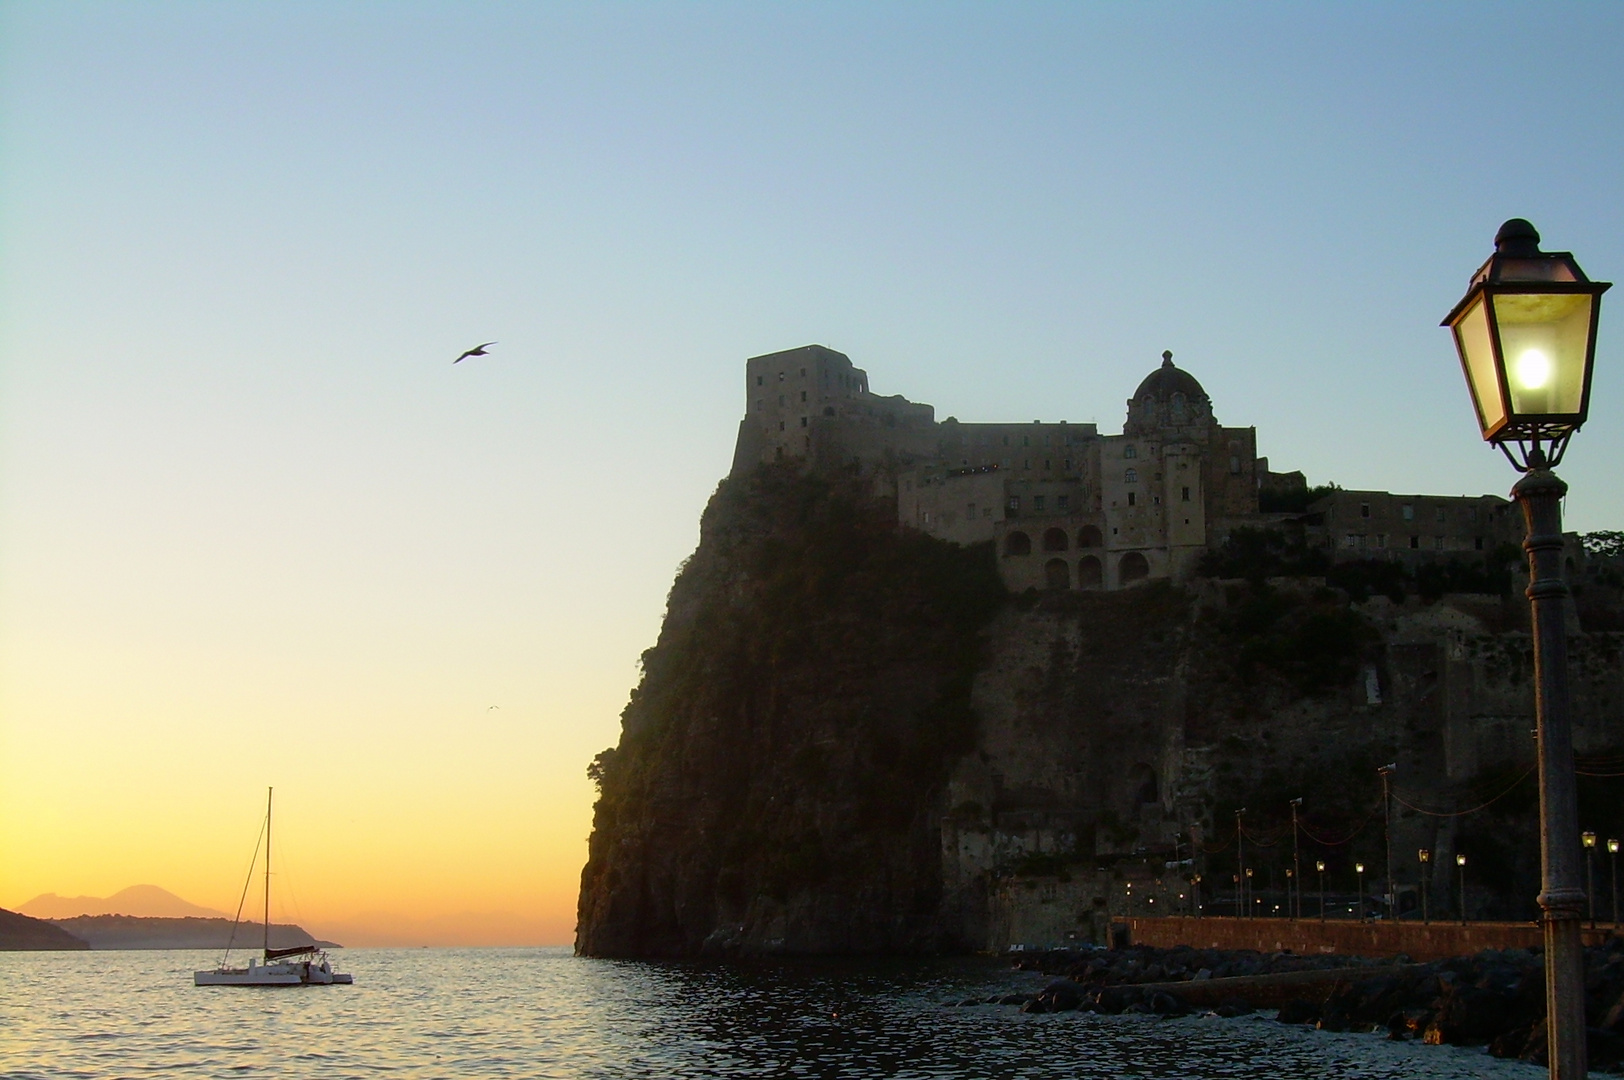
[(1133, 567), (1090, 574), (1055, 540), (1089, 537), (1057, 575), (1017, 543)]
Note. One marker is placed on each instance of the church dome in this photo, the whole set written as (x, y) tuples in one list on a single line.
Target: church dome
[(1160, 385)]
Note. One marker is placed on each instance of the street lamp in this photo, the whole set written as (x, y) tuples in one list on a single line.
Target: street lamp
[(1612, 849), (1319, 864), (1426, 860), (1296, 859), (1291, 877), (1526, 335), (1589, 840), (1386, 772), (1251, 897), (1195, 894), (1460, 861), (1359, 868)]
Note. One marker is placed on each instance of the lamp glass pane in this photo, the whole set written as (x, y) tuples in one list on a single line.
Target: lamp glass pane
[(1477, 357), (1544, 338)]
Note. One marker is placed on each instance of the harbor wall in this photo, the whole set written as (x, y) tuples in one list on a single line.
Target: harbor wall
[(1419, 941)]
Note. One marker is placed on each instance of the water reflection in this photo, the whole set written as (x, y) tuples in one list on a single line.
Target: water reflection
[(542, 1014)]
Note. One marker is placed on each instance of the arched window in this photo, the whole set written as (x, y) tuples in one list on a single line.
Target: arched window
[(1130, 476), (1089, 537), (1017, 543), (1133, 567), (1055, 540), (1089, 572), (1057, 574)]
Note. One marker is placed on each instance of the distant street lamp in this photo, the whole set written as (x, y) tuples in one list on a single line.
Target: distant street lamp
[(1526, 335), (1359, 868), (1195, 894), (1319, 864), (1426, 861), (1386, 772), (1246, 891), (1296, 859), (1460, 861), (1240, 908), (1589, 840), (1612, 849), (1291, 910)]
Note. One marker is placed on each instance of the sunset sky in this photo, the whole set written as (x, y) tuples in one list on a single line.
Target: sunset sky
[(256, 529)]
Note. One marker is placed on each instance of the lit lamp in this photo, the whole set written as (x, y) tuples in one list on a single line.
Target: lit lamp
[(1359, 868), (1589, 840), (1526, 335), (1319, 864), (1612, 849)]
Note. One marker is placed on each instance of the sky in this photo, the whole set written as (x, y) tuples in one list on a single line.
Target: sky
[(256, 529)]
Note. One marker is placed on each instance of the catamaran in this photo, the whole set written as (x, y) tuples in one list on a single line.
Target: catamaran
[(302, 965)]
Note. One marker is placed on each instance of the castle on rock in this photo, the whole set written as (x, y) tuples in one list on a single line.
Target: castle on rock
[(1068, 507)]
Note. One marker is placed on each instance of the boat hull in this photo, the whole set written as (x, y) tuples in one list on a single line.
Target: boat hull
[(297, 974)]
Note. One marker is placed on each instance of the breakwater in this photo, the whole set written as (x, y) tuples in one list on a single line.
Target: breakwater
[(1348, 937), (1494, 999)]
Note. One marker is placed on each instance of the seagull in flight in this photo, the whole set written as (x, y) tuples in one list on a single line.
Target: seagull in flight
[(478, 350)]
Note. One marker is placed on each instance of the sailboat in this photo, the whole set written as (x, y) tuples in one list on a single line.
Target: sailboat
[(303, 965)]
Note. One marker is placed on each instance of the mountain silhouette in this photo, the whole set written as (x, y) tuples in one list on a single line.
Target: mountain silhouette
[(144, 901)]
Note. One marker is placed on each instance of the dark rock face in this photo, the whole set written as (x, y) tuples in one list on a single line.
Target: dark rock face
[(780, 778), (20, 933)]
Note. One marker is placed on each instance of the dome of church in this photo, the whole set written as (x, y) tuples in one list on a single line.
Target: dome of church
[(1167, 380)]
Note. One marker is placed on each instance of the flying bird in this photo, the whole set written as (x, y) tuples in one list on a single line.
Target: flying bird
[(478, 350)]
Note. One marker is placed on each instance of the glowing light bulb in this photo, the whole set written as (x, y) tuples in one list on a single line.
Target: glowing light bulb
[(1533, 369)]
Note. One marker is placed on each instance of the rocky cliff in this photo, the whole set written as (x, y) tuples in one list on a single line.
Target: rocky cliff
[(849, 738), (783, 764)]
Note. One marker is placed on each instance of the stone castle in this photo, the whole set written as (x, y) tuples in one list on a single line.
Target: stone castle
[(1067, 507)]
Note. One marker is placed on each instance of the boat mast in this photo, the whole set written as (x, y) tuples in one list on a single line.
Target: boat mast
[(268, 872)]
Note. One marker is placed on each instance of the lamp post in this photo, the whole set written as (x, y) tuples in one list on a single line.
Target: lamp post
[(1526, 335), (1239, 909), (1246, 891), (1359, 868), (1296, 858), (1426, 860), (1195, 894), (1319, 864), (1291, 877), (1613, 850), (1460, 862), (1386, 772), (1588, 838), (1240, 862)]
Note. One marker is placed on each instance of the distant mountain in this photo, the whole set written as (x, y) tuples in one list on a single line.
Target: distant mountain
[(19, 932), (127, 932), (141, 901)]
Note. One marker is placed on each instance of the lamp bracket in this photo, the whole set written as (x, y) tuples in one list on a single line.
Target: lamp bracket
[(1537, 446)]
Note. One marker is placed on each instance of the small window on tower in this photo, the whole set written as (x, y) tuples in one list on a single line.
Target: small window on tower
[(1130, 498), (803, 395), (1063, 501), (1130, 451), (1037, 502), (1186, 495), (758, 380), (1130, 476), (970, 510)]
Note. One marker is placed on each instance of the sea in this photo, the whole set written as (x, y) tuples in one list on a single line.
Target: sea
[(543, 1013)]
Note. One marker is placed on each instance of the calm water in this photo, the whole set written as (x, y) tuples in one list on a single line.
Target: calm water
[(543, 1013)]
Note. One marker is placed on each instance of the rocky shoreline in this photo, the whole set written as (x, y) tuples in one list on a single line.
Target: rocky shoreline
[(1495, 999)]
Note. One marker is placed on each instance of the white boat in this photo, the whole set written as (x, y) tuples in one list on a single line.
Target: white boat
[(302, 965)]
